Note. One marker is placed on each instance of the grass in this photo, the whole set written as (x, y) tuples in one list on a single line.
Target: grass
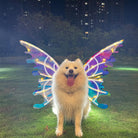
[(18, 119)]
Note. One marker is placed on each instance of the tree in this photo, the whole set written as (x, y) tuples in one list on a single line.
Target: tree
[(62, 40), (99, 38), (52, 34)]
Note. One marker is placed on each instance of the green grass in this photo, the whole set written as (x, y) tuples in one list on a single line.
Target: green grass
[(18, 119)]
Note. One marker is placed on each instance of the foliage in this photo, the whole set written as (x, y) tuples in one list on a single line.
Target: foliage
[(50, 33), (100, 38), (62, 40)]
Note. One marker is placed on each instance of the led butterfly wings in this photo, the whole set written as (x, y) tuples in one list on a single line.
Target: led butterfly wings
[(95, 69), (46, 66)]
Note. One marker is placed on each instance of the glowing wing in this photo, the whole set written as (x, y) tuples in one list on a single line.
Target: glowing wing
[(46, 67), (95, 69)]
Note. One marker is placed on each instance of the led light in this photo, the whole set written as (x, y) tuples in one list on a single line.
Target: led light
[(112, 50), (104, 60), (86, 14), (86, 32), (125, 69), (36, 60), (94, 69), (2, 77), (7, 69), (100, 80), (28, 50), (91, 98), (86, 3), (86, 23), (42, 79)]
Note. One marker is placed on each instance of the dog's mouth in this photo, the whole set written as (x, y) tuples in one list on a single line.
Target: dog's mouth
[(71, 79), (71, 75)]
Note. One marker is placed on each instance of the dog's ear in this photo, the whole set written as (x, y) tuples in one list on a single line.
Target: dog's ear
[(66, 60), (78, 60)]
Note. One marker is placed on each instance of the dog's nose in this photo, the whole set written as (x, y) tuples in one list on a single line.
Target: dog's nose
[(70, 71)]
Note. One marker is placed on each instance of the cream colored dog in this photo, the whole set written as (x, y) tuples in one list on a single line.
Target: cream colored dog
[(70, 95)]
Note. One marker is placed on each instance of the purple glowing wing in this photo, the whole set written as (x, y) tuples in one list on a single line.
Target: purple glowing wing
[(95, 68), (45, 66)]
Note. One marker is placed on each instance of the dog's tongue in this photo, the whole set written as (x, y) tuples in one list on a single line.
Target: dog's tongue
[(70, 81)]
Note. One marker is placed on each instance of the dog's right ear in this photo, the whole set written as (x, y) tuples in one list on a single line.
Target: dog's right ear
[(66, 60)]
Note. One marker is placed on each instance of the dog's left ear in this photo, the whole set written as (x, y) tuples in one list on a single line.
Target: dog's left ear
[(78, 60)]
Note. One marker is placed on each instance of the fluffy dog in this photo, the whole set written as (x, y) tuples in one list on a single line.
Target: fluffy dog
[(70, 95)]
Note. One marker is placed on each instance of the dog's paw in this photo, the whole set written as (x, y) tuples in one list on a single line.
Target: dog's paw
[(59, 132), (79, 133)]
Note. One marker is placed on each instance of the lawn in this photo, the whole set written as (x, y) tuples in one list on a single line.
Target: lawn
[(18, 119)]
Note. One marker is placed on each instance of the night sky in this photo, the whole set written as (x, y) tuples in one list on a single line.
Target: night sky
[(58, 7), (131, 11), (8, 22), (130, 7)]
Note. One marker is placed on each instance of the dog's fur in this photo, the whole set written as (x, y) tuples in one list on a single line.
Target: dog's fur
[(70, 102)]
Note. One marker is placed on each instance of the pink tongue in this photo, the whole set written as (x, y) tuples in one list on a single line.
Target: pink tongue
[(70, 81)]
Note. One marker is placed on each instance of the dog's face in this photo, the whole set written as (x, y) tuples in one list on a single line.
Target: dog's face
[(72, 70), (71, 74)]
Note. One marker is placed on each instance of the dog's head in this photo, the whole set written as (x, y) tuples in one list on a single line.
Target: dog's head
[(72, 73)]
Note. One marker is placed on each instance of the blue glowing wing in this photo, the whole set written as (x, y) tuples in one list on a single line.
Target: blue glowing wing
[(95, 69), (46, 67)]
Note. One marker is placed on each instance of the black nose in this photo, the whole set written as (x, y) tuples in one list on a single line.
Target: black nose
[(70, 71)]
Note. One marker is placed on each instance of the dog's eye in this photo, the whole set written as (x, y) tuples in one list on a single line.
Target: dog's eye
[(67, 67), (75, 67)]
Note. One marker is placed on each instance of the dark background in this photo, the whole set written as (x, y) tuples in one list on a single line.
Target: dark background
[(11, 32)]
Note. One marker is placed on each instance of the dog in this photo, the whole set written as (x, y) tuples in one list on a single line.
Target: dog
[(70, 95)]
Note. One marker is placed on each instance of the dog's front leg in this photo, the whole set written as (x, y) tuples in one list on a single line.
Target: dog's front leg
[(78, 118), (60, 122)]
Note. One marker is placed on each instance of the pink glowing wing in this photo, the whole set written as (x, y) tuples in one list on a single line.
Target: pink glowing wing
[(46, 66), (95, 69)]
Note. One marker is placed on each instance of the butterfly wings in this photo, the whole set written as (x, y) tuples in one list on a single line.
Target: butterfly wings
[(45, 66), (95, 68)]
